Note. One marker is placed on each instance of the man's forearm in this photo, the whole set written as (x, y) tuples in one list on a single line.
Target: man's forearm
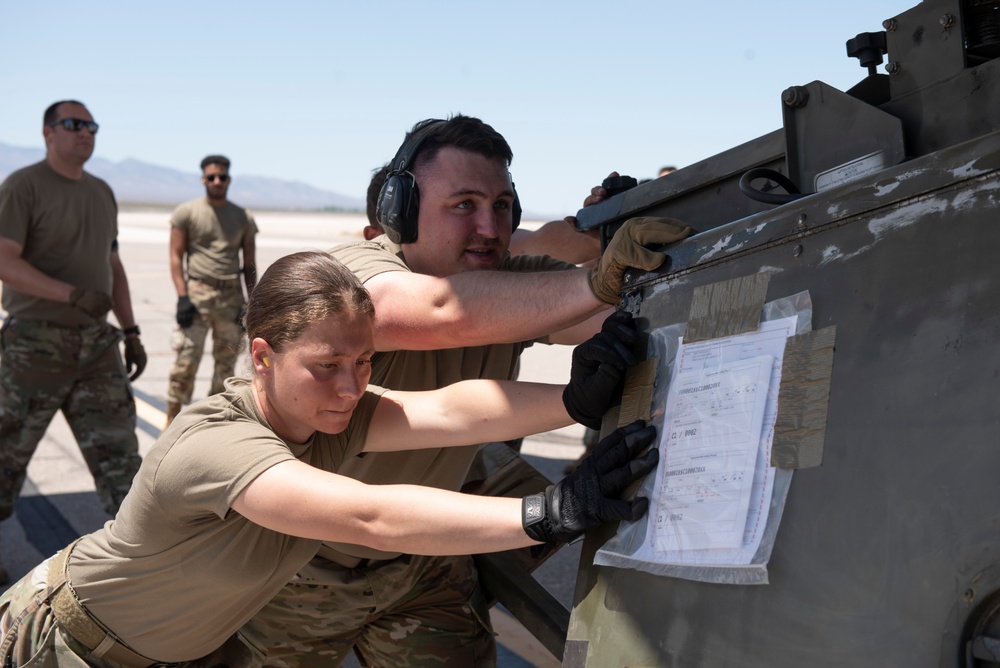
[(23, 277), (249, 264), (478, 307), (517, 304), (177, 276), (249, 277), (121, 296)]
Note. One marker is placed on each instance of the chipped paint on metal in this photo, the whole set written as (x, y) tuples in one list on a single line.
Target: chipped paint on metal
[(915, 211), (836, 210), (905, 216), (969, 168), (770, 269), (834, 254), (720, 246), (885, 188)]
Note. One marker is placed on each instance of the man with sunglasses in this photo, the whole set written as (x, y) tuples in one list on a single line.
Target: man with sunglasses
[(61, 275), (209, 233)]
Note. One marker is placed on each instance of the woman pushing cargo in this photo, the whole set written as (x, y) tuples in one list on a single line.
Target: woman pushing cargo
[(239, 491)]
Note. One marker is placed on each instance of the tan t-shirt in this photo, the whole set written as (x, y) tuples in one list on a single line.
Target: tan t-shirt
[(445, 468), (214, 237), (177, 571), (66, 228)]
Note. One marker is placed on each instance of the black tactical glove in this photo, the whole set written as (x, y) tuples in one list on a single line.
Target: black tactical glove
[(135, 356), (590, 495), (186, 311), (94, 303), (598, 371)]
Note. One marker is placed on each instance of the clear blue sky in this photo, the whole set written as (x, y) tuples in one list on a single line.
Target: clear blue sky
[(322, 92)]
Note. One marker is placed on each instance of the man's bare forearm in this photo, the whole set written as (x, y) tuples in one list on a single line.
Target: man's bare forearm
[(23, 277), (416, 312)]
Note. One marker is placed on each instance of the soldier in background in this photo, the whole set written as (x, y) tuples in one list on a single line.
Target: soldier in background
[(61, 275), (209, 232)]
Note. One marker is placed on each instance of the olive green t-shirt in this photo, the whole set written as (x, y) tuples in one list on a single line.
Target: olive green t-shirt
[(66, 228), (178, 571), (214, 237), (445, 468)]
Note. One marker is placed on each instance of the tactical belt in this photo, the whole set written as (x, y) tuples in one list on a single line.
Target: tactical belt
[(355, 563), (218, 284), (76, 621), (345, 560)]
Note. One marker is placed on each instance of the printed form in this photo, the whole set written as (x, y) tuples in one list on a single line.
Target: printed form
[(714, 482), (709, 449)]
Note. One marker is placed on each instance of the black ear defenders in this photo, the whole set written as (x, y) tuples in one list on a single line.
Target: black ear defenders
[(399, 199)]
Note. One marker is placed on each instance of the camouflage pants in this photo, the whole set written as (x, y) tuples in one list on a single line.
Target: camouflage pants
[(29, 633), (218, 308), (78, 370), (411, 611), (30, 636)]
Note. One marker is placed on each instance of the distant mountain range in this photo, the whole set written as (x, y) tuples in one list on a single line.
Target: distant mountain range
[(138, 182)]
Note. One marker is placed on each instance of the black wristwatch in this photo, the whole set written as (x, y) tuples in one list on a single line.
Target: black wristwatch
[(134, 329)]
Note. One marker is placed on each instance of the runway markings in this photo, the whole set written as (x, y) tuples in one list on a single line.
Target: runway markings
[(153, 417)]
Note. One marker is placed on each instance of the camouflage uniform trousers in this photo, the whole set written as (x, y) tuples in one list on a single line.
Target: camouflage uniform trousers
[(410, 611), (78, 370), (29, 633), (219, 305), (31, 637)]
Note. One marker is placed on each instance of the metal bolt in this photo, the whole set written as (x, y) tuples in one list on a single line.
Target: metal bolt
[(969, 595), (795, 96), (889, 24), (798, 251), (946, 21), (801, 222), (893, 67)]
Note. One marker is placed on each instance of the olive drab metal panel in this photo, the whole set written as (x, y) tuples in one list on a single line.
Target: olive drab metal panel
[(888, 551)]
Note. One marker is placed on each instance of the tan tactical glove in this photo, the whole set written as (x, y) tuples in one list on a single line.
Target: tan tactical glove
[(628, 248), (94, 303)]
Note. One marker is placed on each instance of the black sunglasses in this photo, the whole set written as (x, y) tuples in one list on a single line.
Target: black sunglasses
[(76, 124), (222, 178)]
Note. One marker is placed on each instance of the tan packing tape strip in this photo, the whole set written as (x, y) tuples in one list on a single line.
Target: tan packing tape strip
[(803, 400), (721, 309), (637, 397), (726, 308)]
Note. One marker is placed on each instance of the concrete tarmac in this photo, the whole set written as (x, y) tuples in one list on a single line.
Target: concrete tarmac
[(58, 501)]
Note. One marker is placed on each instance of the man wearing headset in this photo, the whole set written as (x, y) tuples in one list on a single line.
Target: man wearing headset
[(451, 303), (557, 238)]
